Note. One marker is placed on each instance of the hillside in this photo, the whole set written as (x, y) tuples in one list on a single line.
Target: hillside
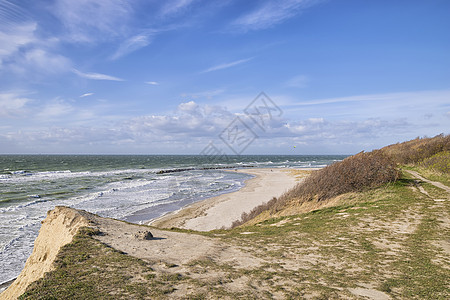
[(357, 173), (380, 239)]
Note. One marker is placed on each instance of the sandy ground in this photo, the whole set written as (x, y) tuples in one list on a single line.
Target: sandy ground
[(221, 211), (166, 246)]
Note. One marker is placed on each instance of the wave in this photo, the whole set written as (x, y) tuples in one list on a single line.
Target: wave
[(164, 171), (53, 175)]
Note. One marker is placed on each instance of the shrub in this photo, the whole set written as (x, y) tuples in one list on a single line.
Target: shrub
[(416, 150), (355, 173), (439, 162)]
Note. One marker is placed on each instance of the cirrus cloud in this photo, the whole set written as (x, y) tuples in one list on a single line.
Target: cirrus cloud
[(96, 76), (12, 104), (271, 13)]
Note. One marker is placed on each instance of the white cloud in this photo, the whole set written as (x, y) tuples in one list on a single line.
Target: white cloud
[(14, 38), (227, 65), (22, 51), (193, 125), (132, 44), (96, 76), (91, 21), (174, 7), (54, 109), (86, 95), (12, 104), (11, 13), (188, 106), (300, 81), (189, 120), (205, 94), (152, 83), (272, 13), (45, 61)]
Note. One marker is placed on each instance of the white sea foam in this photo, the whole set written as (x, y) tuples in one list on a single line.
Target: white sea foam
[(119, 193), (23, 177), (116, 199)]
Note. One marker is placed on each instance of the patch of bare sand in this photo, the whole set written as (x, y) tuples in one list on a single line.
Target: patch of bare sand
[(170, 247), (368, 293), (221, 211), (435, 183), (175, 252)]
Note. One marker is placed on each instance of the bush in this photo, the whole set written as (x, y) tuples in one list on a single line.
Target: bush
[(439, 162), (355, 173), (417, 150)]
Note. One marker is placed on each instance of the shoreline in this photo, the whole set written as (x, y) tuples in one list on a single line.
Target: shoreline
[(6, 284), (220, 211)]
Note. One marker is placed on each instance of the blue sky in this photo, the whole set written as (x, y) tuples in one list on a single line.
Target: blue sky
[(168, 77)]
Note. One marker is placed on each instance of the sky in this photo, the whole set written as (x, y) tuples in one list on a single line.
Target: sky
[(225, 76)]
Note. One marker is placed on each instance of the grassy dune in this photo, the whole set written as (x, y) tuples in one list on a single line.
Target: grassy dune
[(374, 231), (357, 173), (392, 241)]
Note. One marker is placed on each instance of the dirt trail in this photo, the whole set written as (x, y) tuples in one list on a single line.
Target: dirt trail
[(435, 183)]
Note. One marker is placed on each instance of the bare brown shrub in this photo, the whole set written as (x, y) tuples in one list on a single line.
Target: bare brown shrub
[(417, 150), (355, 173)]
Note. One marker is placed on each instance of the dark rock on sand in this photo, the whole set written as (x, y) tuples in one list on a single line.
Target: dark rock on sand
[(144, 235)]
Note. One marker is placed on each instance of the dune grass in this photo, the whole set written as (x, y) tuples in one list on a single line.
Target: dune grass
[(440, 162), (417, 150), (382, 236), (390, 241), (356, 173)]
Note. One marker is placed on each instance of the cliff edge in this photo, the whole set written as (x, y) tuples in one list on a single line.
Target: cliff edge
[(57, 230)]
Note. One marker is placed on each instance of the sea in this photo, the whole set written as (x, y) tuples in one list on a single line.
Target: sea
[(134, 188)]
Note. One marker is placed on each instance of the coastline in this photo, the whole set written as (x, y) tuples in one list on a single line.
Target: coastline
[(220, 211)]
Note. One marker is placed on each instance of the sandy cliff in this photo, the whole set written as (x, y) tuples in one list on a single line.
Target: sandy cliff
[(57, 230)]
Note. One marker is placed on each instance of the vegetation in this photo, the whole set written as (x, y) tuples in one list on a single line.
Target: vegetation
[(390, 242), (439, 162), (417, 150), (88, 269), (386, 235), (356, 173)]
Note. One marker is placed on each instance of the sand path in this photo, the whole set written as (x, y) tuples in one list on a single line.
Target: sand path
[(221, 211), (435, 183)]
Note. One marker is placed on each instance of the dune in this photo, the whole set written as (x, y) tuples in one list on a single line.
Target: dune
[(220, 212)]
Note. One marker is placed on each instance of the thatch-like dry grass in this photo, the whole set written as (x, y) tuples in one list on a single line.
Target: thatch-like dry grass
[(417, 150), (360, 172), (356, 173)]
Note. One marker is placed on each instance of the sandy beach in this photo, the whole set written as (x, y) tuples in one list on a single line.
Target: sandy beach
[(221, 211)]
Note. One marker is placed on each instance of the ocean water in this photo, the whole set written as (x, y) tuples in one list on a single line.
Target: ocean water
[(136, 188)]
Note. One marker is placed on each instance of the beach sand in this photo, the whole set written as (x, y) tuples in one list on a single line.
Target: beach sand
[(221, 211)]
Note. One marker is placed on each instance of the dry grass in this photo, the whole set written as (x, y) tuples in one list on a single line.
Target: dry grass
[(417, 150), (356, 173)]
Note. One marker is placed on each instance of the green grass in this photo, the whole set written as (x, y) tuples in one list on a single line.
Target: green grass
[(430, 174), (348, 243), (386, 241), (439, 162), (88, 269)]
